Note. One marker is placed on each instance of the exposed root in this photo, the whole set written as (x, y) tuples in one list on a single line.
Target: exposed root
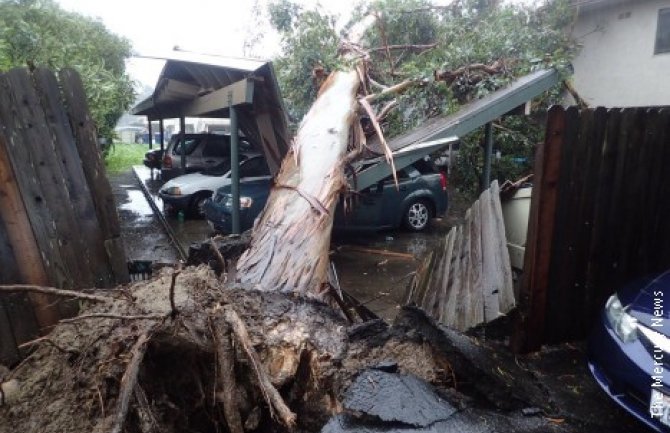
[(270, 394), (129, 380), (52, 291), (225, 360)]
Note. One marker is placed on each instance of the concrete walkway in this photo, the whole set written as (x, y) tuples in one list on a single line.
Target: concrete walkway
[(182, 233)]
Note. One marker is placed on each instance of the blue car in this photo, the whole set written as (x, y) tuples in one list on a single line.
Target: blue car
[(254, 192), (629, 350), (421, 194)]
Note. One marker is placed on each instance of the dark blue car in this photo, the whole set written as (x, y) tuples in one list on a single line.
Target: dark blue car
[(254, 193), (421, 194), (629, 350)]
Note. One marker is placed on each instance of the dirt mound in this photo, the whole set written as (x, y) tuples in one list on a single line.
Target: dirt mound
[(200, 355), (79, 375)]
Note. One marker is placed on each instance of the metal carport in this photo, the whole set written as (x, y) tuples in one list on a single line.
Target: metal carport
[(439, 131), (200, 85)]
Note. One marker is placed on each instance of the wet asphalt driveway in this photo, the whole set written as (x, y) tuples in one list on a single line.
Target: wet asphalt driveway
[(375, 278)]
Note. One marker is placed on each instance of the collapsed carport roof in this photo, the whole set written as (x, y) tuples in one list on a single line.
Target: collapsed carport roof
[(198, 85)]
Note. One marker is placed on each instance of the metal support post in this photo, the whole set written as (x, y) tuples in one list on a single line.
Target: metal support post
[(488, 150), (150, 133), (234, 165), (182, 140), (161, 129)]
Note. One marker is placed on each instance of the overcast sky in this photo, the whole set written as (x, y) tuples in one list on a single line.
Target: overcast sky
[(208, 26)]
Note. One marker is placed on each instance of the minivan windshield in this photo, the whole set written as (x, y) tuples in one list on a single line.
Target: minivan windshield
[(191, 144), (218, 170)]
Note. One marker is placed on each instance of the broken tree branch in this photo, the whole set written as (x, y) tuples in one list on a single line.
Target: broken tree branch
[(270, 393), (129, 380), (417, 47), (218, 255), (379, 252), (450, 76), (396, 88), (576, 96), (386, 109), (377, 84), (13, 288), (225, 361), (49, 341), (173, 306), (113, 316), (148, 422)]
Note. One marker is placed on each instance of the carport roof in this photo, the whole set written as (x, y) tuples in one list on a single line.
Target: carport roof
[(187, 77)]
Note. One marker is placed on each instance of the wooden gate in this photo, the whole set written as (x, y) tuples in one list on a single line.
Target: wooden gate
[(599, 217), (58, 221)]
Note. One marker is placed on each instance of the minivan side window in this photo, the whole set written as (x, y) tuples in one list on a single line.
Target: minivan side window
[(424, 167), (191, 144), (217, 147), (254, 167), (401, 174)]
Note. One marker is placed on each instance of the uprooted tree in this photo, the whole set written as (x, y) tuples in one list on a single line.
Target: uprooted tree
[(192, 351), (434, 59)]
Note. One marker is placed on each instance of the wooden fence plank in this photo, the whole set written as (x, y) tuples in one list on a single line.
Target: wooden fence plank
[(655, 139), (51, 178), (447, 276), (529, 328), (91, 245), (9, 273), (476, 313), (602, 219), (463, 298), (24, 211), (490, 267), (506, 289), (629, 200), (94, 169), (455, 287), (563, 261), (587, 163), (9, 351), (661, 226)]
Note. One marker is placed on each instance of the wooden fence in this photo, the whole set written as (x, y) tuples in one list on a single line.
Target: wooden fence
[(467, 279), (599, 217), (58, 221)]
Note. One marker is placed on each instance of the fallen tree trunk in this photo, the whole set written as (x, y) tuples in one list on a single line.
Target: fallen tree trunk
[(291, 239)]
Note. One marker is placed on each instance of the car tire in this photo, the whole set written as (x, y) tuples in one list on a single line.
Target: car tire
[(417, 215), (198, 200)]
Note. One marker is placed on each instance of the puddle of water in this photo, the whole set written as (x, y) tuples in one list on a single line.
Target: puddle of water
[(137, 204)]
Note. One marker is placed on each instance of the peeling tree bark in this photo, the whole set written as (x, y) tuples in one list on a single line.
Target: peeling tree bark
[(290, 241)]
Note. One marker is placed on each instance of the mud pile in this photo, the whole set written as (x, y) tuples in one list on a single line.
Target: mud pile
[(205, 356)]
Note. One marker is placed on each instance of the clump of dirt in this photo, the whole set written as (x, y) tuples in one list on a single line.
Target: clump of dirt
[(75, 378), (205, 356)]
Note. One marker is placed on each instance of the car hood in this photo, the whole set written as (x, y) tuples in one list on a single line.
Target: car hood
[(648, 299), (194, 182)]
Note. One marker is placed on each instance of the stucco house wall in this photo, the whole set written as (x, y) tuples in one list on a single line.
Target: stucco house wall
[(617, 66)]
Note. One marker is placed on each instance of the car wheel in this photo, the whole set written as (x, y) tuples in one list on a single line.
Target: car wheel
[(417, 215), (197, 203)]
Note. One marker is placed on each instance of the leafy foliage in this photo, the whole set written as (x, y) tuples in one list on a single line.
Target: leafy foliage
[(512, 39), (39, 32), (309, 41)]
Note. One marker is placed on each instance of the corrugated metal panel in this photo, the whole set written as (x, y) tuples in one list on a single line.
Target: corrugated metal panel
[(464, 121), (481, 111)]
